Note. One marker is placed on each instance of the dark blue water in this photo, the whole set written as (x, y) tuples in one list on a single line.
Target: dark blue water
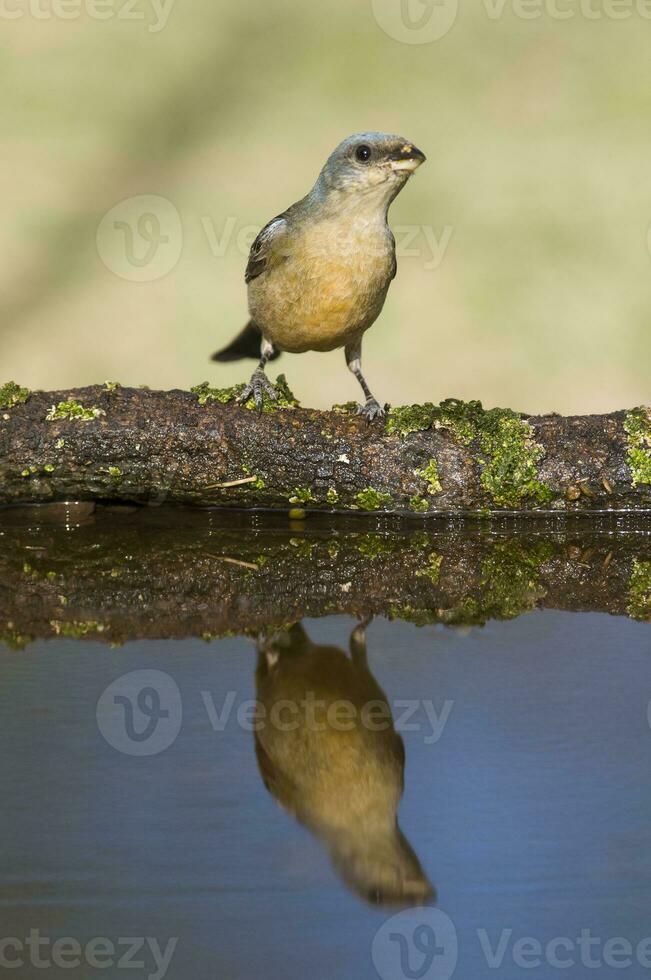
[(528, 807)]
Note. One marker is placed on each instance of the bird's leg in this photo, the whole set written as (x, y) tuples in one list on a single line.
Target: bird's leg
[(259, 382), (358, 642), (372, 409)]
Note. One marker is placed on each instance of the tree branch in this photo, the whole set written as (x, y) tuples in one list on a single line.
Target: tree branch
[(200, 448)]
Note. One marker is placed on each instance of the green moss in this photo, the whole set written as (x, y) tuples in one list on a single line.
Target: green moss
[(48, 469), (303, 546), (371, 499), (419, 541), (34, 573), (207, 394), (76, 630), (73, 411), (410, 614), (286, 397), (112, 385), (638, 428), (462, 418), (411, 418), (418, 504), (510, 473), (14, 640), (464, 613), (115, 473), (348, 408), (431, 474), (12, 394), (510, 454), (639, 591), (301, 495), (59, 444), (511, 585), (433, 570), (374, 545), (332, 496), (511, 579), (224, 396), (256, 484)]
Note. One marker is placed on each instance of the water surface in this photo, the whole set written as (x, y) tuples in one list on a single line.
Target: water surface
[(527, 752)]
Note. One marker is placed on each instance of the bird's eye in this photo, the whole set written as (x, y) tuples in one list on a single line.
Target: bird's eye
[(363, 153)]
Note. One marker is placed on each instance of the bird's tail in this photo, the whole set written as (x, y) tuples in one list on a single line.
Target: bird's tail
[(246, 344)]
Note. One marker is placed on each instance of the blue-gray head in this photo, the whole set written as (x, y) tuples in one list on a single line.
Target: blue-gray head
[(374, 165)]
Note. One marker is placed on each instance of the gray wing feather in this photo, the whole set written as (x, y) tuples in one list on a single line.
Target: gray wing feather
[(259, 253)]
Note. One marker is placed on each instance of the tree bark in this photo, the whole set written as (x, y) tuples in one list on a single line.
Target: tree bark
[(85, 572), (152, 447)]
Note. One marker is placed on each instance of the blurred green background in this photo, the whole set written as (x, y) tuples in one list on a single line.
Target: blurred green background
[(537, 189)]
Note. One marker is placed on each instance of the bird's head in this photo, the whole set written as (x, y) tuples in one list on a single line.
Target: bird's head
[(370, 165)]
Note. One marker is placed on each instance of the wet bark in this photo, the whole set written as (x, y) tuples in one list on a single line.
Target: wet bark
[(82, 572), (155, 447)]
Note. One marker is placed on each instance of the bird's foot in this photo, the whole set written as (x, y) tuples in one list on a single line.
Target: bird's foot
[(372, 410), (257, 386)]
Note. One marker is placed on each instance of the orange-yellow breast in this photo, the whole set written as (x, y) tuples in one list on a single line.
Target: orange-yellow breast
[(325, 286)]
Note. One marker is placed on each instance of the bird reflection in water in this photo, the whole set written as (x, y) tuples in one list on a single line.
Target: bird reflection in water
[(328, 752)]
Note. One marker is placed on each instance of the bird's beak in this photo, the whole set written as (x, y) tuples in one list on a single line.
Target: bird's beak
[(408, 158)]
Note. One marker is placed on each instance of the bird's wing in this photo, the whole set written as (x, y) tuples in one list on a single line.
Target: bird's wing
[(265, 248)]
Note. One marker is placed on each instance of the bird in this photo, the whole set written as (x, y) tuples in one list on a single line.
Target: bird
[(318, 274), (339, 775)]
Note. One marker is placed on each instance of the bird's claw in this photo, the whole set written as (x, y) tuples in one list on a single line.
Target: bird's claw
[(258, 385), (372, 410)]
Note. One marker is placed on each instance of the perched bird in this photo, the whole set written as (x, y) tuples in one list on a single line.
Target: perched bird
[(319, 273), (337, 769)]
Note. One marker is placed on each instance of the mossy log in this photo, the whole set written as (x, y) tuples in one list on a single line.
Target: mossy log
[(201, 448), (86, 572)]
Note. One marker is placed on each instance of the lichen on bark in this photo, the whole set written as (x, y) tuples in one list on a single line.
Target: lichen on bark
[(638, 428), (510, 453)]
